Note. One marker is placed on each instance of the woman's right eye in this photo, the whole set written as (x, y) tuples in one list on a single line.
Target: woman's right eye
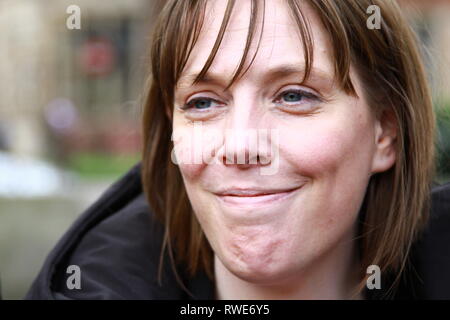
[(200, 104)]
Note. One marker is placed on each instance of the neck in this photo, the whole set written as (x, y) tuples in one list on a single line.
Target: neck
[(332, 276)]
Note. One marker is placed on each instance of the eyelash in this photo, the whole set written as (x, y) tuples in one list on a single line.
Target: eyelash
[(303, 93), (188, 104)]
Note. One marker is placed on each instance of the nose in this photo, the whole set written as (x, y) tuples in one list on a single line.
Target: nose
[(247, 140), (246, 148)]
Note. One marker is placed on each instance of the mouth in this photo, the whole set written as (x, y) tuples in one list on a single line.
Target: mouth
[(254, 197)]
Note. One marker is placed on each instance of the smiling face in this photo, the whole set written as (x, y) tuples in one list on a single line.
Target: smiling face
[(266, 228)]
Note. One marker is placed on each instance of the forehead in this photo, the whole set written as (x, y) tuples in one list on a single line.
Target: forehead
[(278, 36)]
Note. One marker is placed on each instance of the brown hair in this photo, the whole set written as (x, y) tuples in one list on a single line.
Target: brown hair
[(388, 62)]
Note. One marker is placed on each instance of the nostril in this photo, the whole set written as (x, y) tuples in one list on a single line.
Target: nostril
[(263, 161), (243, 157), (245, 160), (229, 159)]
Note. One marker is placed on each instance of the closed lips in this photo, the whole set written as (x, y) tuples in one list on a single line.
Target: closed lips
[(253, 197), (252, 192)]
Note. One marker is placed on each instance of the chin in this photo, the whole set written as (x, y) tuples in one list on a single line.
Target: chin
[(258, 267), (263, 275)]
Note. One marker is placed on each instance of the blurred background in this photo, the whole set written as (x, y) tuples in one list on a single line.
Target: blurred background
[(69, 118), (70, 107)]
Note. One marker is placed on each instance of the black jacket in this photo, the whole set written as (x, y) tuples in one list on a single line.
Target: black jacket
[(117, 241)]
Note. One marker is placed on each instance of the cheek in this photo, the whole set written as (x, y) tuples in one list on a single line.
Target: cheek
[(189, 149), (183, 155), (337, 156), (321, 147), (190, 172)]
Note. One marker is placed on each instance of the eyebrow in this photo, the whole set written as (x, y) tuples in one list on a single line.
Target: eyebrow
[(272, 74)]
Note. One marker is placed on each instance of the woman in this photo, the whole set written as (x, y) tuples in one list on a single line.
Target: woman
[(355, 123), (302, 152)]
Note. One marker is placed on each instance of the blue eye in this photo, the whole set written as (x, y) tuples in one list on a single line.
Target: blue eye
[(202, 103), (292, 96), (199, 104), (297, 101)]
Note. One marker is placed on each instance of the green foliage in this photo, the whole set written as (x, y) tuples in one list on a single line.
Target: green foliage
[(443, 140), (101, 165)]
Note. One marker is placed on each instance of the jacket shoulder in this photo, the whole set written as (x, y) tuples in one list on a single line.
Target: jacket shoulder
[(430, 254), (116, 244)]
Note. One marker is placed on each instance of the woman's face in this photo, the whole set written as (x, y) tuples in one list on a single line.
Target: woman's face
[(268, 226)]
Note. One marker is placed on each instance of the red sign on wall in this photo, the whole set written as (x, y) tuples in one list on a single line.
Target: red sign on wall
[(97, 57)]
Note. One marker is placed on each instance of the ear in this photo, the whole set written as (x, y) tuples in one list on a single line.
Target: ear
[(386, 129)]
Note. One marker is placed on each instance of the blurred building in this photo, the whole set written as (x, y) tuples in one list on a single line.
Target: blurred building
[(61, 91), (431, 20), (71, 83)]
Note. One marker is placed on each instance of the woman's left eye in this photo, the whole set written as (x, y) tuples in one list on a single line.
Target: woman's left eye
[(292, 98)]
